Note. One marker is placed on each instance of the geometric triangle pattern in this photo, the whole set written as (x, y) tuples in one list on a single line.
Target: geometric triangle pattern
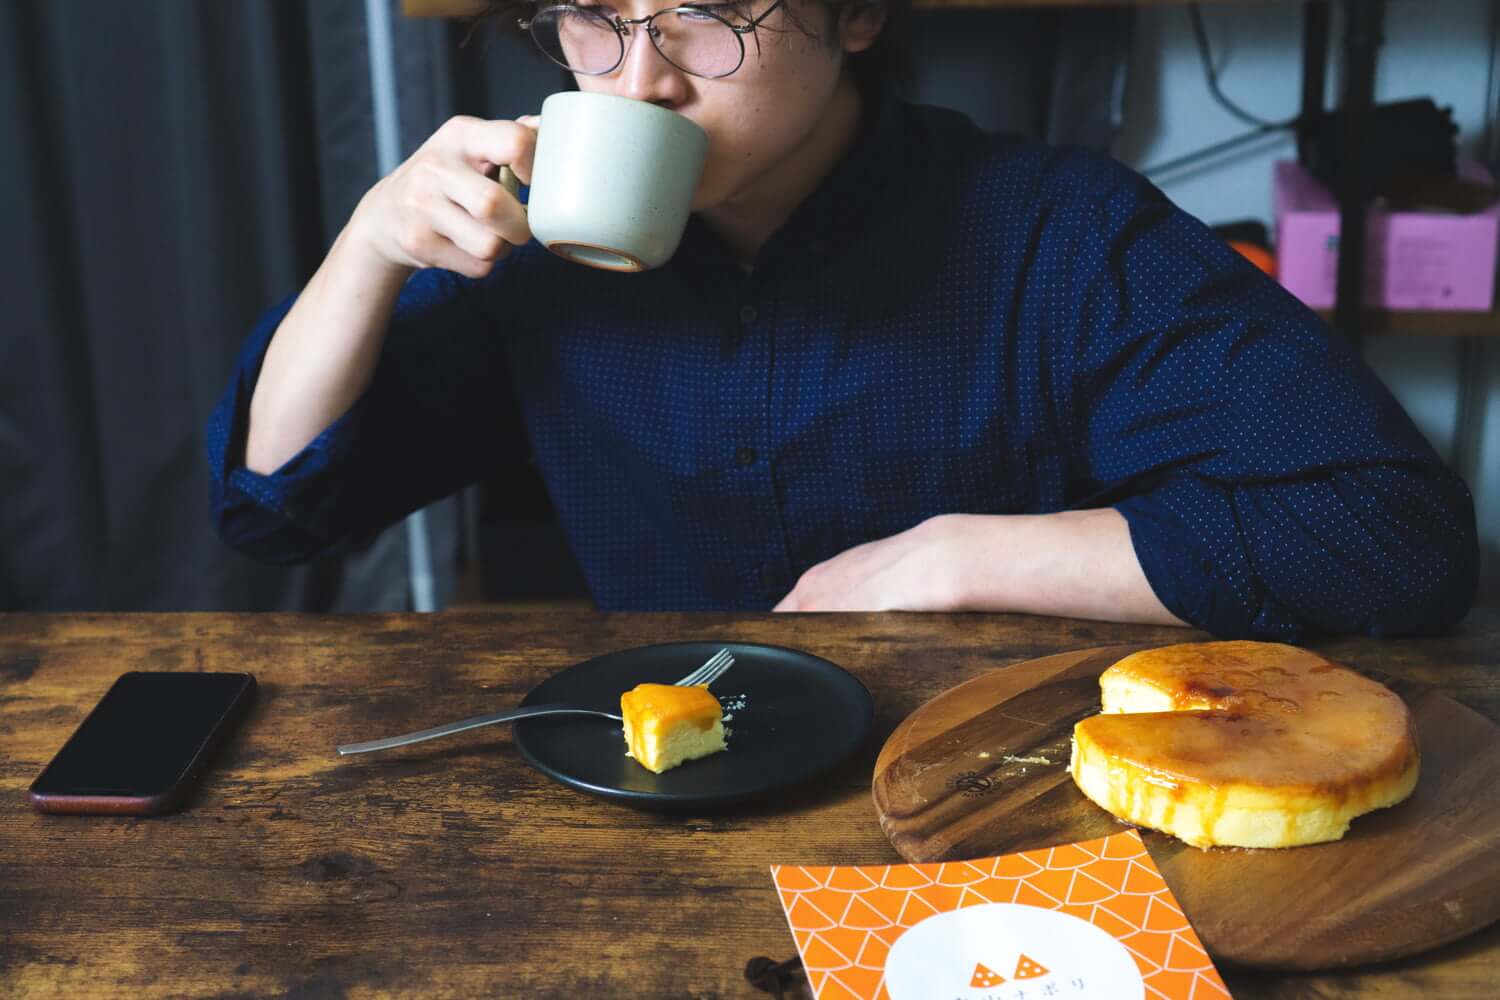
[(983, 977), (1029, 968), (845, 918)]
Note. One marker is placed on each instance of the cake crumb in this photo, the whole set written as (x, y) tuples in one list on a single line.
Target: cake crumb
[(1023, 760)]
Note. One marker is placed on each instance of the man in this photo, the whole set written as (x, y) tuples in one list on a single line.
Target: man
[(896, 363)]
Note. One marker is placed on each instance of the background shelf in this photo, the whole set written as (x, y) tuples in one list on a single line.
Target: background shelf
[(1378, 322)]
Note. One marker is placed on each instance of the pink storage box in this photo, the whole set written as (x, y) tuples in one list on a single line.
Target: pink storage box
[(1414, 260)]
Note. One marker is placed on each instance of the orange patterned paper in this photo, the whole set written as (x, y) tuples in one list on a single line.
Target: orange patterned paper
[(1092, 919)]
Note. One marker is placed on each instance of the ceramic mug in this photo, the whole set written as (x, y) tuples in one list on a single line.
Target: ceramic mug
[(613, 180)]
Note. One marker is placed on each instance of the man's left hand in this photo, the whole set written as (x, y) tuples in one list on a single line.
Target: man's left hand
[(913, 571)]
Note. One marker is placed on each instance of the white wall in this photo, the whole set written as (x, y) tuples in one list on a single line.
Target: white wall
[(1436, 48)]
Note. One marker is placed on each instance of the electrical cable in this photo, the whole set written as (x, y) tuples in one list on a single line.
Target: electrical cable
[(1205, 55), (1263, 127), (1218, 148), (1491, 141)]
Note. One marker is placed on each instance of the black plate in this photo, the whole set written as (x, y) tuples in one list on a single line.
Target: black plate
[(793, 716)]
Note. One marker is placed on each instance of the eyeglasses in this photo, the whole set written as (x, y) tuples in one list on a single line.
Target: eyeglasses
[(591, 40)]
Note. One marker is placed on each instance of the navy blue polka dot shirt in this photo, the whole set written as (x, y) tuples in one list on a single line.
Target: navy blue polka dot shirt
[(953, 322)]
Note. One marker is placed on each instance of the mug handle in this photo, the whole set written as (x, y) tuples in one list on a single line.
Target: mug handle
[(508, 180)]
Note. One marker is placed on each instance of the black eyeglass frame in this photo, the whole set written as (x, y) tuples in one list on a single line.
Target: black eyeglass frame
[(622, 26)]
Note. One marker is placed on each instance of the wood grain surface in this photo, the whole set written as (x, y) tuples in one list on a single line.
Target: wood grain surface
[(983, 770), (451, 868)]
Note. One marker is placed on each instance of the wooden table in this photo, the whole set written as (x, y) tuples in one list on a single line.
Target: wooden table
[(455, 869)]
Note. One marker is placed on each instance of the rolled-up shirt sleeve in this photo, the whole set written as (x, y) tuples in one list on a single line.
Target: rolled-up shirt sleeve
[(439, 413), (1272, 485)]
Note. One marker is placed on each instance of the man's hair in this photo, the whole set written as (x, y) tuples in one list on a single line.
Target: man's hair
[(883, 64)]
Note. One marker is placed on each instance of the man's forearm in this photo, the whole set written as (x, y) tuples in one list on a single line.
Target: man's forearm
[(1076, 564)]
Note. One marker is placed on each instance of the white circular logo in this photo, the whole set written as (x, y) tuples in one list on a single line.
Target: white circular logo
[(1009, 951)]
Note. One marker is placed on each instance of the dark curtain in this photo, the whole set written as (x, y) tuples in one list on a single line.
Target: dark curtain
[(166, 188), (172, 168)]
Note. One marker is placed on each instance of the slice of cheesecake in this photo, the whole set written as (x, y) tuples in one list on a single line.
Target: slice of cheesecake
[(666, 724), (1243, 744)]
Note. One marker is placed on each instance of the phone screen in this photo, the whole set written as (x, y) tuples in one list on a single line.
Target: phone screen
[(145, 734)]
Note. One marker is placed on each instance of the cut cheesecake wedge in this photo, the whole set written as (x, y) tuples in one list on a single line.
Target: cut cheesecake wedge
[(1243, 744), (666, 725)]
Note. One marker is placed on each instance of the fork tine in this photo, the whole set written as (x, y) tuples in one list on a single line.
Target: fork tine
[(687, 680), (717, 672), (696, 677)]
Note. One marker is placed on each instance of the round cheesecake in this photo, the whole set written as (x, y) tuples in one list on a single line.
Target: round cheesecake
[(1243, 744)]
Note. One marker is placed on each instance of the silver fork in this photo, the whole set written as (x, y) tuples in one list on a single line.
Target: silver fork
[(712, 670)]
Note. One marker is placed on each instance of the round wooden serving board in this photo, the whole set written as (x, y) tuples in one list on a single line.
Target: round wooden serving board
[(963, 777)]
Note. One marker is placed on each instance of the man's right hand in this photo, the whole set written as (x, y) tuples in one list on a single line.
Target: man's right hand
[(442, 209), (438, 209)]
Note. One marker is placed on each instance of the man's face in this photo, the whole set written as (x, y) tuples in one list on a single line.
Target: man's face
[(757, 116)]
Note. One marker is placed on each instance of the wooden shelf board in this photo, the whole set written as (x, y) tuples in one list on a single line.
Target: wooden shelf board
[(1380, 322)]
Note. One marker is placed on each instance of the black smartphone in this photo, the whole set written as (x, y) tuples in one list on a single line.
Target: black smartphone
[(144, 745)]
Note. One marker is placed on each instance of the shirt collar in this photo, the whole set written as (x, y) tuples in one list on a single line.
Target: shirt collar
[(841, 207), (848, 200)]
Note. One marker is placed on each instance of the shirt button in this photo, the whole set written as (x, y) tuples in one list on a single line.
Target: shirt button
[(748, 314), (744, 456)]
